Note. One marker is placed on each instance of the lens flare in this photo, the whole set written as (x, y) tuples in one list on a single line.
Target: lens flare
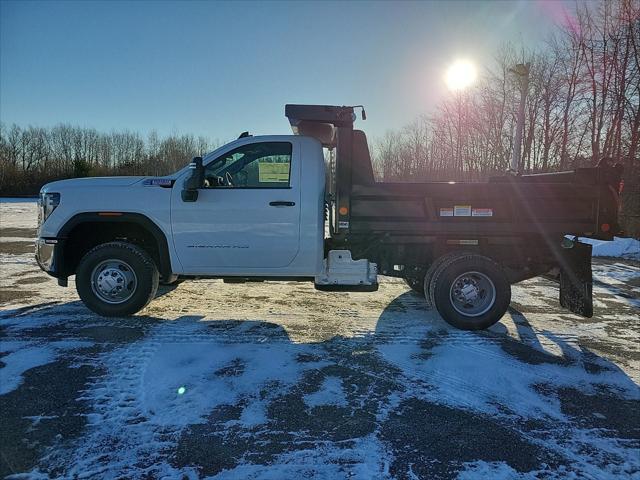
[(460, 75)]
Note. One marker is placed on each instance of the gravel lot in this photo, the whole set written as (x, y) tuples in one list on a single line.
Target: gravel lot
[(277, 380)]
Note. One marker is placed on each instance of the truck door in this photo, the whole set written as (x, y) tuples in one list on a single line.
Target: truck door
[(248, 215)]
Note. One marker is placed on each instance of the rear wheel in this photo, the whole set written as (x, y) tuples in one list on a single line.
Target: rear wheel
[(434, 268), (116, 279), (471, 292)]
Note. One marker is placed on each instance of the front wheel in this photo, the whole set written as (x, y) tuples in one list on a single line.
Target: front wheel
[(117, 279), (471, 292)]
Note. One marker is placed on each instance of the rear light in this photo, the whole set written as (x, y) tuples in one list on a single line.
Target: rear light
[(605, 227)]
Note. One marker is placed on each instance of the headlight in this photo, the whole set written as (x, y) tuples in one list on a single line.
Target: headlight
[(48, 203)]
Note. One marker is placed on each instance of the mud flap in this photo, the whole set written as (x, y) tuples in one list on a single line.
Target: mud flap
[(576, 282)]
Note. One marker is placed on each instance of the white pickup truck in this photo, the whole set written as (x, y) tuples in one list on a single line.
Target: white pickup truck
[(255, 209)]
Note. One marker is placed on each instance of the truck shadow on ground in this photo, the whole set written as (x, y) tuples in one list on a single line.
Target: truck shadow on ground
[(414, 398)]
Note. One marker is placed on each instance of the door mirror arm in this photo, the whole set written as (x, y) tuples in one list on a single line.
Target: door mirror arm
[(194, 181)]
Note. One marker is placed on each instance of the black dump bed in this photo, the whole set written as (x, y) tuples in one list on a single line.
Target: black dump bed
[(579, 204), (582, 202)]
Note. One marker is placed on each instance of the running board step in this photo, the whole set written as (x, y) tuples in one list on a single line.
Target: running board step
[(341, 273), (347, 288)]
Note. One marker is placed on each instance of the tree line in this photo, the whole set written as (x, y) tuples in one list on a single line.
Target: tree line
[(583, 104), (33, 156)]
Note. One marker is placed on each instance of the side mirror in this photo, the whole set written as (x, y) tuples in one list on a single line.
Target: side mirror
[(194, 181)]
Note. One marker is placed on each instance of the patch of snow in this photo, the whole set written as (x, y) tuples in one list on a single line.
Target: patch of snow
[(194, 370), (481, 470), (18, 213), (469, 371), (23, 356), (175, 378), (329, 393), (70, 344), (618, 247), (7, 346), (366, 458), (22, 259), (18, 362), (617, 273), (25, 240)]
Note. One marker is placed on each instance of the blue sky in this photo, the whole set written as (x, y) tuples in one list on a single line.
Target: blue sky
[(217, 69)]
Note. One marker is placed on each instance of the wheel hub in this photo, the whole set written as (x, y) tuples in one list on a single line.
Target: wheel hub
[(469, 292), (472, 294), (113, 281)]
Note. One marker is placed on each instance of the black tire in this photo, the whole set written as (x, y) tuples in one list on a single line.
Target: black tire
[(436, 266), (493, 300), (143, 267)]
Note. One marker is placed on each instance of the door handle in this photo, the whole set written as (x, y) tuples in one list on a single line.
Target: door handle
[(282, 204)]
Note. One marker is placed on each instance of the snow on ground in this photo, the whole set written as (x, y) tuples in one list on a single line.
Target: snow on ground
[(277, 380), (330, 393), (19, 361), (615, 273), (618, 247), (18, 212)]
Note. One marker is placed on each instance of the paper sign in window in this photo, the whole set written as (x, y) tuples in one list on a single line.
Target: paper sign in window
[(273, 172)]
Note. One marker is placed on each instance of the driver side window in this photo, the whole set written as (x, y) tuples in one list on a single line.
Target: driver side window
[(256, 165)]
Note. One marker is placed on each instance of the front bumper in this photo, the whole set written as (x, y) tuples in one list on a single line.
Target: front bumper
[(49, 253)]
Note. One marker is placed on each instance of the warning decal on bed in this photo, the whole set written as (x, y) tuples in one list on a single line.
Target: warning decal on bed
[(465, 211), (482, 212), (462, 210), (446, 212)]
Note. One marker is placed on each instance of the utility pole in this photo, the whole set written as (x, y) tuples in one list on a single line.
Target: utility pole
[(521, 72)]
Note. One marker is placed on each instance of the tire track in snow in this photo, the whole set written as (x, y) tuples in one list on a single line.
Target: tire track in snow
[(124, 437), (121, 440)]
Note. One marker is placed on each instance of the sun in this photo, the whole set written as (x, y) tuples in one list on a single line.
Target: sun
[(460, 75)]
